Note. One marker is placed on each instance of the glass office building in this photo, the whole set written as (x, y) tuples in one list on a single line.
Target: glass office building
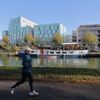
[(45, 32), (18, 28)]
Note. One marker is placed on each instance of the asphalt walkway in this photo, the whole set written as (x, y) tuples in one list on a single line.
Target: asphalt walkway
[(51, 91)]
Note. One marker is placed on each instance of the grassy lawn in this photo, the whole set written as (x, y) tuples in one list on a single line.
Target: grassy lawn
[(66, 75)]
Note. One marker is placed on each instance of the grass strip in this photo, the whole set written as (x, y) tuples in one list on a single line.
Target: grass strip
[(67, 75)]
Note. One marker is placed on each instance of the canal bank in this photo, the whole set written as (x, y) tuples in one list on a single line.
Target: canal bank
[(8, 54), (16, 54)]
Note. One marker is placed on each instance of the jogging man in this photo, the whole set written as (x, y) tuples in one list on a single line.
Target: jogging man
[(26, 73)]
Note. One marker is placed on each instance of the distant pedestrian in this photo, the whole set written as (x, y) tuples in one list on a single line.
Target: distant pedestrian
[(26, 73)]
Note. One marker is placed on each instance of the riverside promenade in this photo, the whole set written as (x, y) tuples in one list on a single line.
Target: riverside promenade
[(51, 91)]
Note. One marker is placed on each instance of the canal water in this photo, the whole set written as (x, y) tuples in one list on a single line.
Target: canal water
[(53, 62)]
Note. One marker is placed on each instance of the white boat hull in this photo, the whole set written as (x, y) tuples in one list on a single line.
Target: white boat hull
[(58, 53), (66, 53)]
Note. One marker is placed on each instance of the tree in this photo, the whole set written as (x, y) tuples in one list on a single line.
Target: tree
[(90, 38), (15, 48), (5, 39), (58, 39), (29, 38)]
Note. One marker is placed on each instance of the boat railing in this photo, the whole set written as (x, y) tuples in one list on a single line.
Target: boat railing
[(65, 52)]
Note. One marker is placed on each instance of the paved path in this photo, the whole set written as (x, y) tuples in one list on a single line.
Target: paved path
[(51, 91)]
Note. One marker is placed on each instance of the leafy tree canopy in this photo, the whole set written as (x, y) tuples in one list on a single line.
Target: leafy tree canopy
[(5, 39), (29, 37), (90, 38), (57, 38)]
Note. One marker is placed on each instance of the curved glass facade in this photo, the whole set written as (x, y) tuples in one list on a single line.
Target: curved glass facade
[(18, 28), (45, 32)]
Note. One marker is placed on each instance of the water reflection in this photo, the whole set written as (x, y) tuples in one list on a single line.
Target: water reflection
[(10, 61), (53, 62)]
